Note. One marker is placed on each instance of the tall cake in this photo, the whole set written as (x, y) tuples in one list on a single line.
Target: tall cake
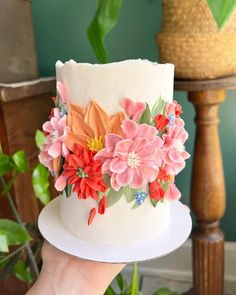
[(114, 142)]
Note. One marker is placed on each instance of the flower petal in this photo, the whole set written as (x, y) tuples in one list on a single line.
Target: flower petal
[(125, 178), (172, 193), (117, 166), (61, 88), (55, 149), (130, 129), (146, 131), (60, 183)]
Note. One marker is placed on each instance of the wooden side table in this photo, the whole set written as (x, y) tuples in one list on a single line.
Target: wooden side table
[(207, 185)]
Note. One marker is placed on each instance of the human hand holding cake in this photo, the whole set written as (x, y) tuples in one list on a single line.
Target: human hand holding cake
[(115, 141)]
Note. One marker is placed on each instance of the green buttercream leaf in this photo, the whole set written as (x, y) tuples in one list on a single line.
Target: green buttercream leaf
[(165, 185), (113, 196), (146, 116), (158, 107), (129, 194), (153, 202), (106, 179), (68, 190)]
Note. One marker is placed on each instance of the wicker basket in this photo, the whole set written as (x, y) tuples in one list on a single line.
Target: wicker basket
[(191, 40)]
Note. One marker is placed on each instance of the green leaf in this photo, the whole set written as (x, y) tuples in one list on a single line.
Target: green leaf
[(134, 285), (22, 272), (105, 19), (6, 164), (19, 158), (129, 193), (146, 116), (164, 291), (8, 267), (3, 243), (39, 138), (113, 196), (120, 281), (165, 185), (15, 233), (68, 189), (110, 291), (153, 202), (158, 107), (40, 181), (221, 10), (106, 179)]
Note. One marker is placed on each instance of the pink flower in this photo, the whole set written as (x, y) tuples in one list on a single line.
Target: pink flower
[(134, 110), (173, 148), (61, 88), (60, 183), (133, 159), (57, 133), (172, 193), (174, 109)]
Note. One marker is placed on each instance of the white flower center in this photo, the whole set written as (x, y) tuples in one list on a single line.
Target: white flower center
[(133, 160), (54, 135)]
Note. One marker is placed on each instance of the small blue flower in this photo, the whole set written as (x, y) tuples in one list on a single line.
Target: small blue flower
[(52, 173), (63, 113), (171, 119), (140, 197)]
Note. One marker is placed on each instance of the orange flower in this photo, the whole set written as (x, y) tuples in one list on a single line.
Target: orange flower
[(89, 127)]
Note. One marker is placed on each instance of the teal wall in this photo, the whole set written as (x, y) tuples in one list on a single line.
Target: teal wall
[(60, 28)]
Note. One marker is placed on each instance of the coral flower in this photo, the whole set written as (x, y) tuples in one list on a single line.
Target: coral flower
[(172, 193), (84, 173), (133, 159), (173, 148), (89, 127), (161, 122), (156, 191)]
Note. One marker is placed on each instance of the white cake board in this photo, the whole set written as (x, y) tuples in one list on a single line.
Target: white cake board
[(172, 238)]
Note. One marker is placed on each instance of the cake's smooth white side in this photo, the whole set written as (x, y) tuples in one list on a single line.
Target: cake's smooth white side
[(120, 225), (139, 80)]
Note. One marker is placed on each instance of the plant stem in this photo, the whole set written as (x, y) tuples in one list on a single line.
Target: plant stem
[(13, 253), (33, 264)]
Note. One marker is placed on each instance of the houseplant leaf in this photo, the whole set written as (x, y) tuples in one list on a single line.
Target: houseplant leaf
[(105, 19), (19, 158), (6, 164), (221, 10), (14, 232), (120, 281), (134, 285), (8, 266), (40, 181), (3, 243), (110, 291), (22, 272), (39, 138)]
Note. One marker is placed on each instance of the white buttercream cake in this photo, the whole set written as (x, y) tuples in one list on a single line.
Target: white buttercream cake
[(139, 80)]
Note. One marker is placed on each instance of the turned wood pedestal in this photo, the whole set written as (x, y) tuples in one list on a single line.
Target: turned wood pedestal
[(207, 185)]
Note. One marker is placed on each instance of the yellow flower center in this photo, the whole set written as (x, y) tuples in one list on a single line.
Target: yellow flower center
[(95, 144)]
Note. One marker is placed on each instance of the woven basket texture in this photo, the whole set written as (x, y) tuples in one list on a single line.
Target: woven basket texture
[(191, 40)]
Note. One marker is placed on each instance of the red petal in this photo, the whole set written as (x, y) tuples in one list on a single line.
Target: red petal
[(102, 205), (92, 215)]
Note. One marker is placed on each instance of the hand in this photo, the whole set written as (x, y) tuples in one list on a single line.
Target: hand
[(64, 274)]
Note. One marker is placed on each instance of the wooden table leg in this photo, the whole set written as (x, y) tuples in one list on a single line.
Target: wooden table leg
[(207, 195)]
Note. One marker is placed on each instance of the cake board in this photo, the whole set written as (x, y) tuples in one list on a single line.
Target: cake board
[(172, 238)]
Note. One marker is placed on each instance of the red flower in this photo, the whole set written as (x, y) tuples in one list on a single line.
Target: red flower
[(163, 175), (161, 122), (156, 191), (178, 110), (92, 215), (102, 205), (84, 173)]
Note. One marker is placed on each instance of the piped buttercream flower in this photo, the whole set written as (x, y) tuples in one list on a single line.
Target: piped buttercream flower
[(173, 108), (89, 126), (134, 158), (84, 173), (133, 109), (173, 148), (54, 146)]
